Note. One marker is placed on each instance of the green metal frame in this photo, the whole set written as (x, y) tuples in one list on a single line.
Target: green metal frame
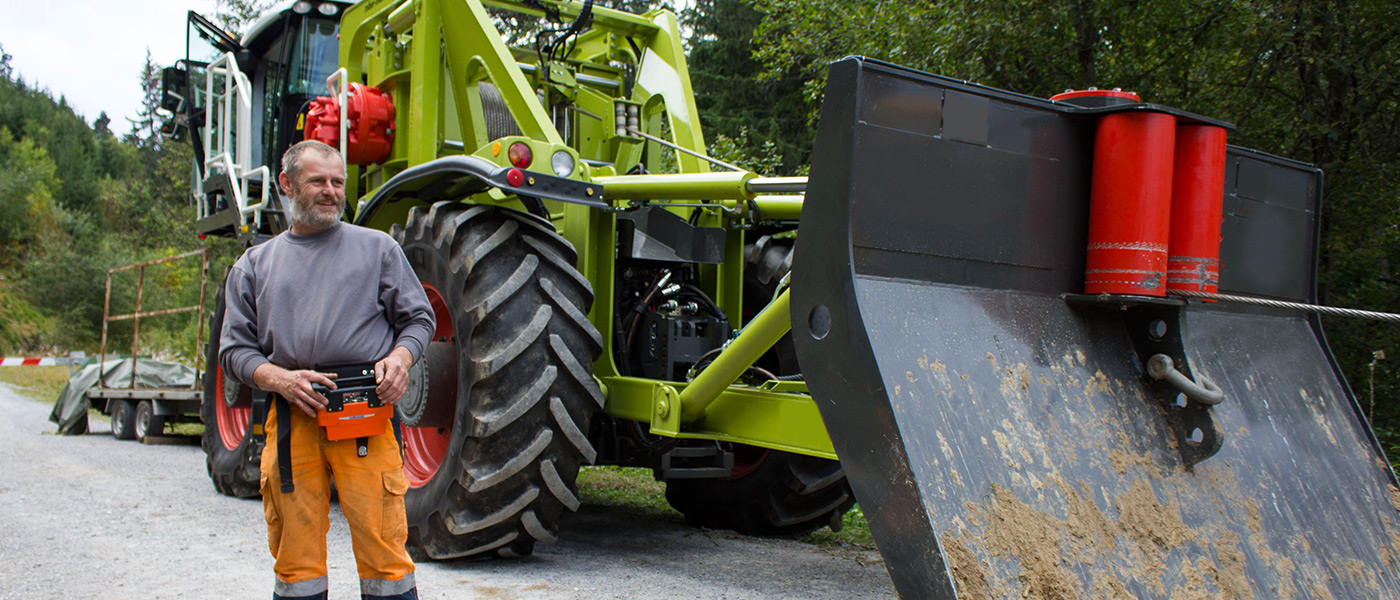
[(432, 57)]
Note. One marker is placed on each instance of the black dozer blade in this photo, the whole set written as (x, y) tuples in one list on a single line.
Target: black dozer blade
[(999, 428)]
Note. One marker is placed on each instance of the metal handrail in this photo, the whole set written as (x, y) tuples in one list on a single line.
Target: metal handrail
[(341, 94), (230, 150), (136, 315)]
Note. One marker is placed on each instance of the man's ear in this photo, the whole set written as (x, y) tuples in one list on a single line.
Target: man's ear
[(286, 183)]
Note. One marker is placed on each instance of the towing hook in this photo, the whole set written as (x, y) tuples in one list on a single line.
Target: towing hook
[(1161, 368)]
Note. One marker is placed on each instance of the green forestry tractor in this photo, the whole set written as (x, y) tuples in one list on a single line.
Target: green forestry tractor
[(937, 343)]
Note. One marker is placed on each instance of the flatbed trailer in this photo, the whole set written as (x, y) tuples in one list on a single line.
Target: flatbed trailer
[(144, 412), (141, 412)]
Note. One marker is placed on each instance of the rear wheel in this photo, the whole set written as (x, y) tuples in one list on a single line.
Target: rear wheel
[(495, 421), (123, 419), (148, 423), (770, 492), (231, 453)]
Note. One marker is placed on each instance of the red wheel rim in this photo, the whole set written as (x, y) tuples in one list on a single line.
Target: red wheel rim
[(424, 448), (746, 459), (233, 422)]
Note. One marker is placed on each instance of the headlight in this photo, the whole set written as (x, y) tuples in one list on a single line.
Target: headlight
[(302, 7), (563, 163), (328, 9)]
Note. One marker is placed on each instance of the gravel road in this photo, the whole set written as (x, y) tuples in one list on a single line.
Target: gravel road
[(93, 517)]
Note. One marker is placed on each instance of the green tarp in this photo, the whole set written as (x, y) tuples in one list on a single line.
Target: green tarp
[(70, 411)]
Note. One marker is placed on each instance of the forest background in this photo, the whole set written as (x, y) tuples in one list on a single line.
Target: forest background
[(1313, 80)]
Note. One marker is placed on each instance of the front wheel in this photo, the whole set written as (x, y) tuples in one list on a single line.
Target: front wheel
[(232, 454), (495, 421)]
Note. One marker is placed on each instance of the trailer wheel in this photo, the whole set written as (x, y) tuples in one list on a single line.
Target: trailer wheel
[(770, 492), (148, 423), (231, 453), (123, 419), (511, 310)]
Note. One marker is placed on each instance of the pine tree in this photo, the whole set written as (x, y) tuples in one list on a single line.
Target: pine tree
[(145, 128)]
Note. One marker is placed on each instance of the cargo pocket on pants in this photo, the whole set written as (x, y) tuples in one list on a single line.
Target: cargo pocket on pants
[(271, 513), (394, 524)]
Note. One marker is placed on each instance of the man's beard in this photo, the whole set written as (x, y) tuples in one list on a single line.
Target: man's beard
[(304, 213)]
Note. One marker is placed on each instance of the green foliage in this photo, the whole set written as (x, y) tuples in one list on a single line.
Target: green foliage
[(22, 327), (854, 532), (235, 15), (145, 128), (743, 152), (55, 252), (26, 191), (751, 120)]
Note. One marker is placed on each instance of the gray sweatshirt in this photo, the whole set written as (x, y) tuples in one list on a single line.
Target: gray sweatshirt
[(343, 295)]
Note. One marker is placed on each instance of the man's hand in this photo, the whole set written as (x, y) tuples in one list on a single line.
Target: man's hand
[(295, 386), (392, 375)]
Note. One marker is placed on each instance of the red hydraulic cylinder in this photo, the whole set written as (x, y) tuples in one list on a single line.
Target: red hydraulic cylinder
[(1130, 204), (370, 127), (1198, 185)]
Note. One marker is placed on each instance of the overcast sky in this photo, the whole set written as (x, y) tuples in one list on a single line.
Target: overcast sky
[(91, 51)]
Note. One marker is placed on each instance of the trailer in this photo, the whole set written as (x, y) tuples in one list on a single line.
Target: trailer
[(140, 410)]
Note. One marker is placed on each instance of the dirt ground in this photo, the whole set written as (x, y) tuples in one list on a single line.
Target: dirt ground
[(93, 517)]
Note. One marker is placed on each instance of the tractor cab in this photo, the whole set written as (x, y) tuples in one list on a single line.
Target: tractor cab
[(240, 102)]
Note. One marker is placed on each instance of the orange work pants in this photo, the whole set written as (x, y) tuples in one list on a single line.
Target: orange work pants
[(370, 489)]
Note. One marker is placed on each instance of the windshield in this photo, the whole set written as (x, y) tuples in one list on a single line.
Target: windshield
[(317, 55)]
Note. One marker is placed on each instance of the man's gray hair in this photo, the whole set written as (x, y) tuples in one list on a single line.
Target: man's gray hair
[(291, 161)]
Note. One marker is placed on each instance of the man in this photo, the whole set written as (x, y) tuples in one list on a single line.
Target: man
[(326, 293)]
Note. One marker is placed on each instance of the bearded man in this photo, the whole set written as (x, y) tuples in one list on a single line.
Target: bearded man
[(326, 293)]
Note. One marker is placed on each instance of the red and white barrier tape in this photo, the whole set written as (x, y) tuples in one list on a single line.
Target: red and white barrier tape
[(47, 361)]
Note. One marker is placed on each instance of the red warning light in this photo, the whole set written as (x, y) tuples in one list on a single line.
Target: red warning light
[(520, 155)]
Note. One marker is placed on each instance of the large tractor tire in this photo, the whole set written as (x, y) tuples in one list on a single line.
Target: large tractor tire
[(494, 422), (232, 455), (769, 492)]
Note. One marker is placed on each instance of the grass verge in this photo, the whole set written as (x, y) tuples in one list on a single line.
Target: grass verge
[(36, 383), (626, 490)]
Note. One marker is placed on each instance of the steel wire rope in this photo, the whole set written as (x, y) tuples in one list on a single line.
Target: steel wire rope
[(1298, 306)]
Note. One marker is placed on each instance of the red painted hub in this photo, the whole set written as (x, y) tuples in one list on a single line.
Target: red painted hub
[(424, 448), (746, 459), (233, 422)]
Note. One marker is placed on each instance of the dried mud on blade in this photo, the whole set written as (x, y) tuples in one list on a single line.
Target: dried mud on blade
[(1000, 432)]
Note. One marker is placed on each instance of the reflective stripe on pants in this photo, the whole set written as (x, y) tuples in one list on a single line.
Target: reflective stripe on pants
[(370, 490)]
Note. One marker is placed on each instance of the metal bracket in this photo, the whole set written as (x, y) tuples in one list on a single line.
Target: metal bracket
[(1155, 326), (665, 410)]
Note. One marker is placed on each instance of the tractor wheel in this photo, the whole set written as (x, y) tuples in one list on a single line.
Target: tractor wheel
[(494, 424), (231, 453), (123, 419), (148, 423), (770, 493)]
